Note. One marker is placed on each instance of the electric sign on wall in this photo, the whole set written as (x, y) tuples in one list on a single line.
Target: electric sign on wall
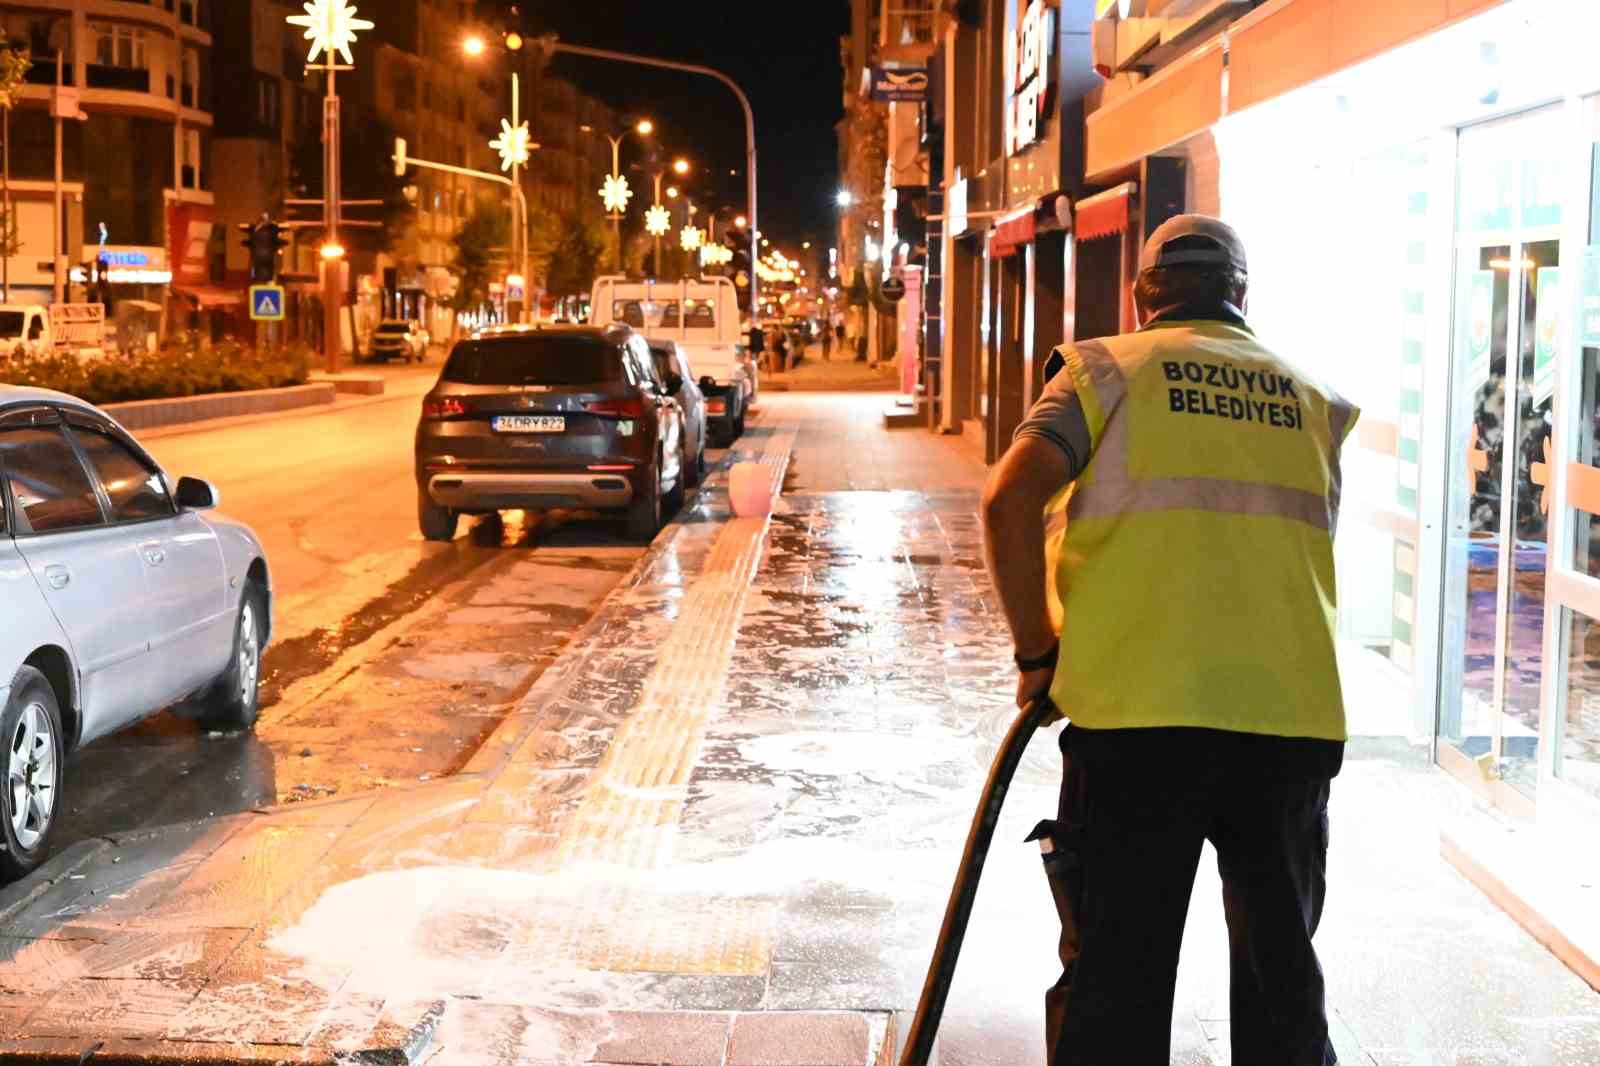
[(1033, 77)]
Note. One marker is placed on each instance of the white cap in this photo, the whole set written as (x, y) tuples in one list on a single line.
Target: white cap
[(1217, 243)]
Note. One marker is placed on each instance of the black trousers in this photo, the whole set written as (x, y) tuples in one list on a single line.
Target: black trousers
[(1136, 814)]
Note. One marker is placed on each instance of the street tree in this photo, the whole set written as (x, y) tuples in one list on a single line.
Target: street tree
[(480, 247), (575, 261)]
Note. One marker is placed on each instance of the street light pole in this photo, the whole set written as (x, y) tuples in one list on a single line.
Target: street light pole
[(616, 216), (659, 174), (60, 286), (553, 45), (519, 202), (332, 265)]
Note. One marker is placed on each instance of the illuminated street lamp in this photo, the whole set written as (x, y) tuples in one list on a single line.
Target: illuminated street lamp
[(515, 143), (330, 26), (680, 166), (845, 199), (741, 222), (615, 194)]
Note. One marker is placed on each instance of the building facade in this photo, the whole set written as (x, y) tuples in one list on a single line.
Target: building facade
[(132, 86), (1418, 187)]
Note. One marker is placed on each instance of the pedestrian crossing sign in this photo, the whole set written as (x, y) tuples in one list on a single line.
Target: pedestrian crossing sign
[(266, 303)]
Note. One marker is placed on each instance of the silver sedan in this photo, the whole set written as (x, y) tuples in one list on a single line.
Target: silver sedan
[(122, 598)]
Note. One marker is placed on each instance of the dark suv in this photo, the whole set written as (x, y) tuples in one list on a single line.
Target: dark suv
[(540, 417)]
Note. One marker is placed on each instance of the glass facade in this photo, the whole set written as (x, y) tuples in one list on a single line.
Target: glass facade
[(1445, 276)]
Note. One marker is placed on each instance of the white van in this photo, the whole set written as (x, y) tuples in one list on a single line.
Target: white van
[(703, 317)]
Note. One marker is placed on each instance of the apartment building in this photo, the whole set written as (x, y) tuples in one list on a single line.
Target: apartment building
[(134, 141)]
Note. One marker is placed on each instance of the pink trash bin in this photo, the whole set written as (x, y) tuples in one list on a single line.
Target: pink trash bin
[(750, 490)]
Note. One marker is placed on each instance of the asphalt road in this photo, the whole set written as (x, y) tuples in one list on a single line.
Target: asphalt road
[(392, 658)]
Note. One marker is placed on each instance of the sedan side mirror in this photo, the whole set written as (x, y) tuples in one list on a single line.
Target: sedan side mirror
[(196, 495), (674, 384)]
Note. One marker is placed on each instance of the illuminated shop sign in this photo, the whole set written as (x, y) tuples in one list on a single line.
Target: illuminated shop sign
[(898, 84), (1034, 77)]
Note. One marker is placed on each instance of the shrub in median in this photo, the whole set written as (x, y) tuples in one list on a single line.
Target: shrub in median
[(175, 369)]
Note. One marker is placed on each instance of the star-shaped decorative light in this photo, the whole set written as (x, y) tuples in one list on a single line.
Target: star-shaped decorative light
[(513, 144), (615, 194), (716, 255), (657, 220), (331, 27), (691, 238)]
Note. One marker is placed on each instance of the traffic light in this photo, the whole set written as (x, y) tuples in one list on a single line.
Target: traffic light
[(265, 241), (512, 37)]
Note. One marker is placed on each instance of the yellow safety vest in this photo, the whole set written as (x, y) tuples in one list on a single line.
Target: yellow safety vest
[(1193, 556)]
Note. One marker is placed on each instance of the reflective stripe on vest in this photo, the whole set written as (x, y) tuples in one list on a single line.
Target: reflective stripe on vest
[(1113, 491)]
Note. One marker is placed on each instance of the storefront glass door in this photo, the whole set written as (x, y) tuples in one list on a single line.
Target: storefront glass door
[(1502, 383)]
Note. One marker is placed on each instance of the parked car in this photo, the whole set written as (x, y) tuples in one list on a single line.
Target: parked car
[(121, 596), (703, 317), (398, 338), (671, 362), (538, 417)]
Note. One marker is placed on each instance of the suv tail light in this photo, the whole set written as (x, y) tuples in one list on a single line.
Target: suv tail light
[(632, 407), (444, 407)]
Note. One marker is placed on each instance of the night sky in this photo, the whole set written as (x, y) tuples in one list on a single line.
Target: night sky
[(786, 58)]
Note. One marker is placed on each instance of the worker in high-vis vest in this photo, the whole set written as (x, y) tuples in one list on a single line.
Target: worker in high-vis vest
[(1188, 480)]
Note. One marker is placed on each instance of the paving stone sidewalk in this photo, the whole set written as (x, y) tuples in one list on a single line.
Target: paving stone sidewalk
[(718, 832)]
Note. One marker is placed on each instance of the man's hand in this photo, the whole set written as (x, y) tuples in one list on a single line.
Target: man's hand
[(1033, 684)]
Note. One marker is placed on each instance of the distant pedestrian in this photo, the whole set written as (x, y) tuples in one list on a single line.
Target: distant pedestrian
[(827, 345), (1192, 652)]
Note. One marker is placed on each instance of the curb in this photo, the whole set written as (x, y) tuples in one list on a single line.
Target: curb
[(181, 410)]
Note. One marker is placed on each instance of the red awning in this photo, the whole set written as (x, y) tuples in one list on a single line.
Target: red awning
[(209, 297), (1011, 232), (1104, 213)]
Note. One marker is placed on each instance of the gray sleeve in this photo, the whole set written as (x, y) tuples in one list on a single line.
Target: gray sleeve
[(1057, 417)]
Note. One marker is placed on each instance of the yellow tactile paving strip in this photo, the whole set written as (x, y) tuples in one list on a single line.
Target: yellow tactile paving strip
[(630, 810)]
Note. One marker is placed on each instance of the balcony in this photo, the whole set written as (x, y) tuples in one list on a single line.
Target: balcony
[(126, 79), (43, 72)]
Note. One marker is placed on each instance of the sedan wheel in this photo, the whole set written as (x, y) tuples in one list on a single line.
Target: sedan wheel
[(31, 726), (234, 700)]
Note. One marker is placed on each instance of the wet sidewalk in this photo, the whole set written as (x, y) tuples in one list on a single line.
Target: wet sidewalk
[(719, 830)]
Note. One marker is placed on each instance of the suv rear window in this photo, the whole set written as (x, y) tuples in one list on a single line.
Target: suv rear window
[(535, 361)]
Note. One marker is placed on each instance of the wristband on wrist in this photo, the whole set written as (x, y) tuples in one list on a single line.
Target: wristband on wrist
[(1038, 662)]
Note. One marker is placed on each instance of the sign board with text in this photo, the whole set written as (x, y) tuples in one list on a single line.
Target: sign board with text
[(78, 325), (1033, 78), (898, 84)]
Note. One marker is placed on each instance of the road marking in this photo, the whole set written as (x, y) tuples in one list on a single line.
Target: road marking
[(632, 806)]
